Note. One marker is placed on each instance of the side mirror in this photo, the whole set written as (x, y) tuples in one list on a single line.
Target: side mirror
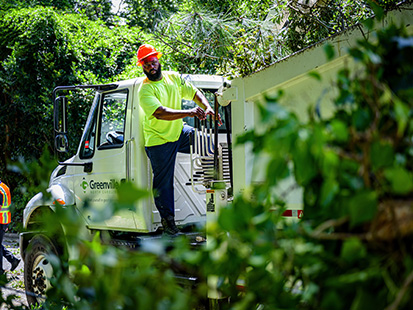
[(61, 143), (60, 114), (60, 124)]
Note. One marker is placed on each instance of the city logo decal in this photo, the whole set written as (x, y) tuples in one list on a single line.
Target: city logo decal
[(99, 185), (84, 185)]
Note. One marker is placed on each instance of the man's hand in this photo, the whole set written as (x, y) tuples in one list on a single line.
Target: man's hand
[(211, 112), (198, 112), (200, 100)]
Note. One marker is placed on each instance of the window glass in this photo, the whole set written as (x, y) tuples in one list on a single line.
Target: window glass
[(112, 120), (87, 146)]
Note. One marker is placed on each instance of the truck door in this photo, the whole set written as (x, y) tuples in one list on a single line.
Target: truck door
[(103, 144)]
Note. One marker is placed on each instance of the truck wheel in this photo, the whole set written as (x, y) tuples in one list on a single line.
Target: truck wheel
[(37, 269)]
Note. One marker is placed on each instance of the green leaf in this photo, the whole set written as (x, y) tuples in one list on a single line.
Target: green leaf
[(330, 163), (353, 250), (226, 220), (385, 97), (361, 119), (339, 130), (329, 190), (400, 179), (381, 155), (357, 54), (329, 50), (368, 23), (277, 169), (356, 277), (128, 193), (402, 116), (377, 9), (362, 207), (304, 165), (315, 75)]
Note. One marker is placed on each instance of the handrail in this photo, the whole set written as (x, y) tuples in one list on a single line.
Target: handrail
[(128, 156)]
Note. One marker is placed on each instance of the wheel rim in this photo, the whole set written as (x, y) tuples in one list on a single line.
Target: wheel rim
[(41, 275)]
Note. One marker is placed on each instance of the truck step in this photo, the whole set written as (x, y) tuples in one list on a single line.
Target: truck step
[(195, 239)]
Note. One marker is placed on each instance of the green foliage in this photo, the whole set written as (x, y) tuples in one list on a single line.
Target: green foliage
[(96, 10), (237, 38), (32, 177), (224, 36), (41, 49), (57, 4), (316, 20), (108, 277), (148, 13), (235, 8), (208, 40), (92, 9), (355, 170)]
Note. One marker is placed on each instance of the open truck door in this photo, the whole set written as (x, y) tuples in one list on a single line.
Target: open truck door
[(101, 163)]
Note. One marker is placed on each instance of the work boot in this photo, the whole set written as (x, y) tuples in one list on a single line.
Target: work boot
[(14, 264), (169, 226)]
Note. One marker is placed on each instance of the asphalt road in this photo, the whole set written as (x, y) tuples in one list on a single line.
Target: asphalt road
[(15, 286)]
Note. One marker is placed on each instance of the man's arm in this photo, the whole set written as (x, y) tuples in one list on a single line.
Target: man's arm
[(200, 112), (167, 114), (200, 100)]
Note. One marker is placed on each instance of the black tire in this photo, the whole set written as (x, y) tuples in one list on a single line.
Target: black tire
[(37, 269)]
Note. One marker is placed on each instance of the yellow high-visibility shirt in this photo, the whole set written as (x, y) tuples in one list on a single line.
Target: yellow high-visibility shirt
[(169, 93)]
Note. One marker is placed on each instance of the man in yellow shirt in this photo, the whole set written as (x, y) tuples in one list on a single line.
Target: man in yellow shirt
[(160, 97)]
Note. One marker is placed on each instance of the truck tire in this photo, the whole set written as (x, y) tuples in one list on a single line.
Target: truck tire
[(37, 269)]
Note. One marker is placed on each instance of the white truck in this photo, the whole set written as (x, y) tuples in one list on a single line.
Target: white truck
[(111, 152)]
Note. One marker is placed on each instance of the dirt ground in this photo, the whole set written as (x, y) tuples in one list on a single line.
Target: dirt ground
[(16, 280)]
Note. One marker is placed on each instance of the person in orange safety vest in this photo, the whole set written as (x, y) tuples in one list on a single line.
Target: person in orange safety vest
[(5, 219)]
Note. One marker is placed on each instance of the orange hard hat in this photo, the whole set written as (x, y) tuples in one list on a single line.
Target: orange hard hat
[(146, 50)]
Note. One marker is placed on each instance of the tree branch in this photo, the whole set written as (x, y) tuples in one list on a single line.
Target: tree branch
[(310, 16), (328, 224), (160, 37)]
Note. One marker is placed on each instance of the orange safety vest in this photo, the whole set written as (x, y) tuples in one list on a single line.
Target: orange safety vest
[(5, 216)]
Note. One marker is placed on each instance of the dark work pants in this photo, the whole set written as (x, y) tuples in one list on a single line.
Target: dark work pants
[(162, 159), (3, 251)]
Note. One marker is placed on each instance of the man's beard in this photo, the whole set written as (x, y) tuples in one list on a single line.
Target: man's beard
[(154, 76)]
